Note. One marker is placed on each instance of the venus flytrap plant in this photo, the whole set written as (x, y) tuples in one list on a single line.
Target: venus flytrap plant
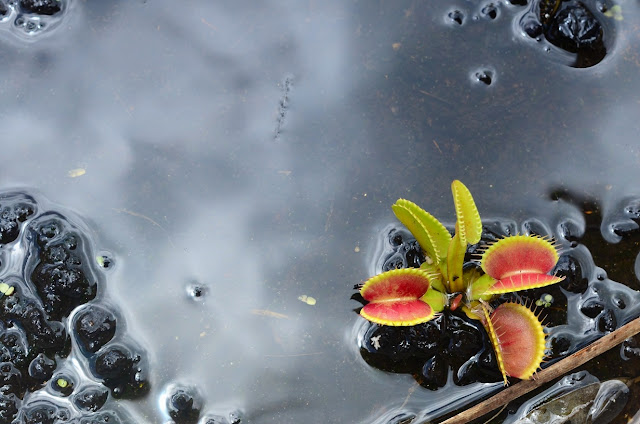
[(411, 296)]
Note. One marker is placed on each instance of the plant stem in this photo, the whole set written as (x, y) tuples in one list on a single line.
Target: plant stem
[(556, 370)]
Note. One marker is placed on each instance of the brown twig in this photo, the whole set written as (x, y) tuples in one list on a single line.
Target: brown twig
[(556, 370)]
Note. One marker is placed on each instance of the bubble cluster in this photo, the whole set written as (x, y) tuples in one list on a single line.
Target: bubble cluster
[(49, 279), (29, 18)]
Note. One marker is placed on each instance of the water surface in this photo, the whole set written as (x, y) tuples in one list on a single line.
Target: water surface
[(255, 150)]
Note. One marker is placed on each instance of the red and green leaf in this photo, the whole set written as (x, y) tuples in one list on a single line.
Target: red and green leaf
[(519, 255), (518, 339), (523, 281), (395, 298)]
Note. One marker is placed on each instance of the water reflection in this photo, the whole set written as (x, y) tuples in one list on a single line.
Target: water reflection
[(198, 169)]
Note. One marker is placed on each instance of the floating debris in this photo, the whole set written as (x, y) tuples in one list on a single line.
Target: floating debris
[(307, 299), (267, 313), (77, 172)]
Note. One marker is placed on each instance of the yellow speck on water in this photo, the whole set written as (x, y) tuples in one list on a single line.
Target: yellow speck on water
[(62, 383), (77, 172), (396, 46), (307, 299), (356, 249), (615, 12), (6, 289)]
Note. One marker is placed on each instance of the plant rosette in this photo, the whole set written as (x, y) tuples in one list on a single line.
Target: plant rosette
[(411, 296)]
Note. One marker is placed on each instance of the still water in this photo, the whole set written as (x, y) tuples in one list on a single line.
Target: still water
[(233, 157)]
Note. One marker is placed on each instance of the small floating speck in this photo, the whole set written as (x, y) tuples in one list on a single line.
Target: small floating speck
[(6, 289), (77, 172), (307, 299), (268, 313), (356, 249), (615, 12)]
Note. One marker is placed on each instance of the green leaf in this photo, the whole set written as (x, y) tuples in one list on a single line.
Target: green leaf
[(432, 236), (468, 224), (437, 300), (478, 288), (455, 260)]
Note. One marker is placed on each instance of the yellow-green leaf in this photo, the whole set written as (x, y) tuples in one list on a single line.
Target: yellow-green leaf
[(495, 342), (455, 260), (437, 300), (478, 288), (468, 222), (432, 236)]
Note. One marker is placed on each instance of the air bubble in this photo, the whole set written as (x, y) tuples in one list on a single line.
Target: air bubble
[(533, 29), (184, 404), (619, 302), (456, 17), (105, 261), (197, 291), (235, 417), (484, 76), (490, 11)]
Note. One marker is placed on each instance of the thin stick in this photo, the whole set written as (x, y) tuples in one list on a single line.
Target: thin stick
[(556, 370)]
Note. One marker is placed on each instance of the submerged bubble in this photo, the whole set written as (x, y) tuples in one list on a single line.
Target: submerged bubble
[(571, 30), (91, 398), (94, 326), (183, 404), (41, 368)]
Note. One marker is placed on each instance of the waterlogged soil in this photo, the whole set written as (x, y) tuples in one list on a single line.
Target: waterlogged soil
[(190, 192)]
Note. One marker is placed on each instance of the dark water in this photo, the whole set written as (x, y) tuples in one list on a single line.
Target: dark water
[(253, 151)]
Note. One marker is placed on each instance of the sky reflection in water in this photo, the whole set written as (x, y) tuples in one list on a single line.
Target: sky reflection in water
[(201, 165)]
